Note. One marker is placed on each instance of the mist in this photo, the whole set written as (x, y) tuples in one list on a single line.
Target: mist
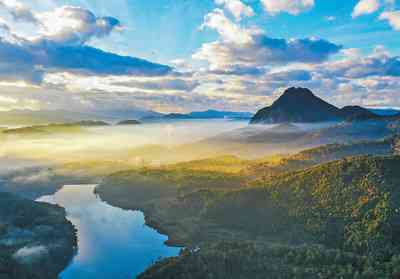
[(122, 145)]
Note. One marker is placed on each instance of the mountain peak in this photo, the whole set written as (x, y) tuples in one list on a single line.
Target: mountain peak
[(300, 105), (297, 105), (298, 92)]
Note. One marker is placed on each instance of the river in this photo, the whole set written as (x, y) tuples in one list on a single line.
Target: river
[(112, 243)]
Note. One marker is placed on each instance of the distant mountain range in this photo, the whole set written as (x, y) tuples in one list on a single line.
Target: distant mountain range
[(296, 105), (208, 114), (44, 117), (385, 112), (300, 105)]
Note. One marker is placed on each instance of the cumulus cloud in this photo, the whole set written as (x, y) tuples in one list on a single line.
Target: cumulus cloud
[(393, 17), (237, 8), (29, 61), (60, 46), (376, 64), (364, 7), (241, 70), (64, 25), (228, 30), (293, 7), (74, 25), (19, 11), (250, 47)]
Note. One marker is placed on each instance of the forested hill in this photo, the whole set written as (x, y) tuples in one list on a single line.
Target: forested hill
[(352, 204), (336, 220), (297, 214)]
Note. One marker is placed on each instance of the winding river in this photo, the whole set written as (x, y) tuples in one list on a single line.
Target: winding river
[(112, 243)]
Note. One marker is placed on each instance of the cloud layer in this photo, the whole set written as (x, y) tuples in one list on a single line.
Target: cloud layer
[(293, 7), (251, 47), (60, 46), (240, 66)]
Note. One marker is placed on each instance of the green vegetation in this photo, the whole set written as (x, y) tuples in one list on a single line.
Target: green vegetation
[(243, 260), (307, 205), (352, 204), (340, 219), (320, 211), (310, 157), (36, 240)]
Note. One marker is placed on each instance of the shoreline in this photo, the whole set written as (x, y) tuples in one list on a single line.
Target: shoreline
[(50, 244)]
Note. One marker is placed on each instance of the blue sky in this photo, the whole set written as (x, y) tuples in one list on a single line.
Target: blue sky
[(164, 30), (221, 54)]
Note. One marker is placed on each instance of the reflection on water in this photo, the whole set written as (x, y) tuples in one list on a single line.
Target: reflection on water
[(113, 243)]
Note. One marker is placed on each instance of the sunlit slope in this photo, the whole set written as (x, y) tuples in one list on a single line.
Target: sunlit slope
[(353, 204), (191, 191), (310, 157)]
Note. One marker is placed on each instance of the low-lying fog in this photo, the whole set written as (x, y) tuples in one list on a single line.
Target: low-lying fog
[(121, 147), (115, 143)]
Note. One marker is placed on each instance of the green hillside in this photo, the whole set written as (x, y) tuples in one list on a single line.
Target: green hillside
[(351, 206), (336, 220), (243, 260)]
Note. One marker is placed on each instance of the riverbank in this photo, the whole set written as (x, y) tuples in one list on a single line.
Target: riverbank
[(112, 241), (344, 210), (36, 239)]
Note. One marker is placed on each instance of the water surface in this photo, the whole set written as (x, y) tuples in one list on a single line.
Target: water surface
[(113, 243)]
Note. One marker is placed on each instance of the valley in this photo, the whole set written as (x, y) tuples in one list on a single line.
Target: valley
[(212, 139), (287, 199)]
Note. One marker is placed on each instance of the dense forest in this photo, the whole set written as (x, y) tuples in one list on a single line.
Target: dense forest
[(243, 260), (281, 217)]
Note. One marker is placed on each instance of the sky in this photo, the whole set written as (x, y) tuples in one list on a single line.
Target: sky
[(185, 55)]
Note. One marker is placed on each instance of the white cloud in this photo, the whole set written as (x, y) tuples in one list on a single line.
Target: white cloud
[(19, 11), (246, 48), (379, 63), (60, 43), (241, 70), (293, 7), (364, 7), (70, 25), (228, 30), (74, 25), (393, 17), (237, 8)]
